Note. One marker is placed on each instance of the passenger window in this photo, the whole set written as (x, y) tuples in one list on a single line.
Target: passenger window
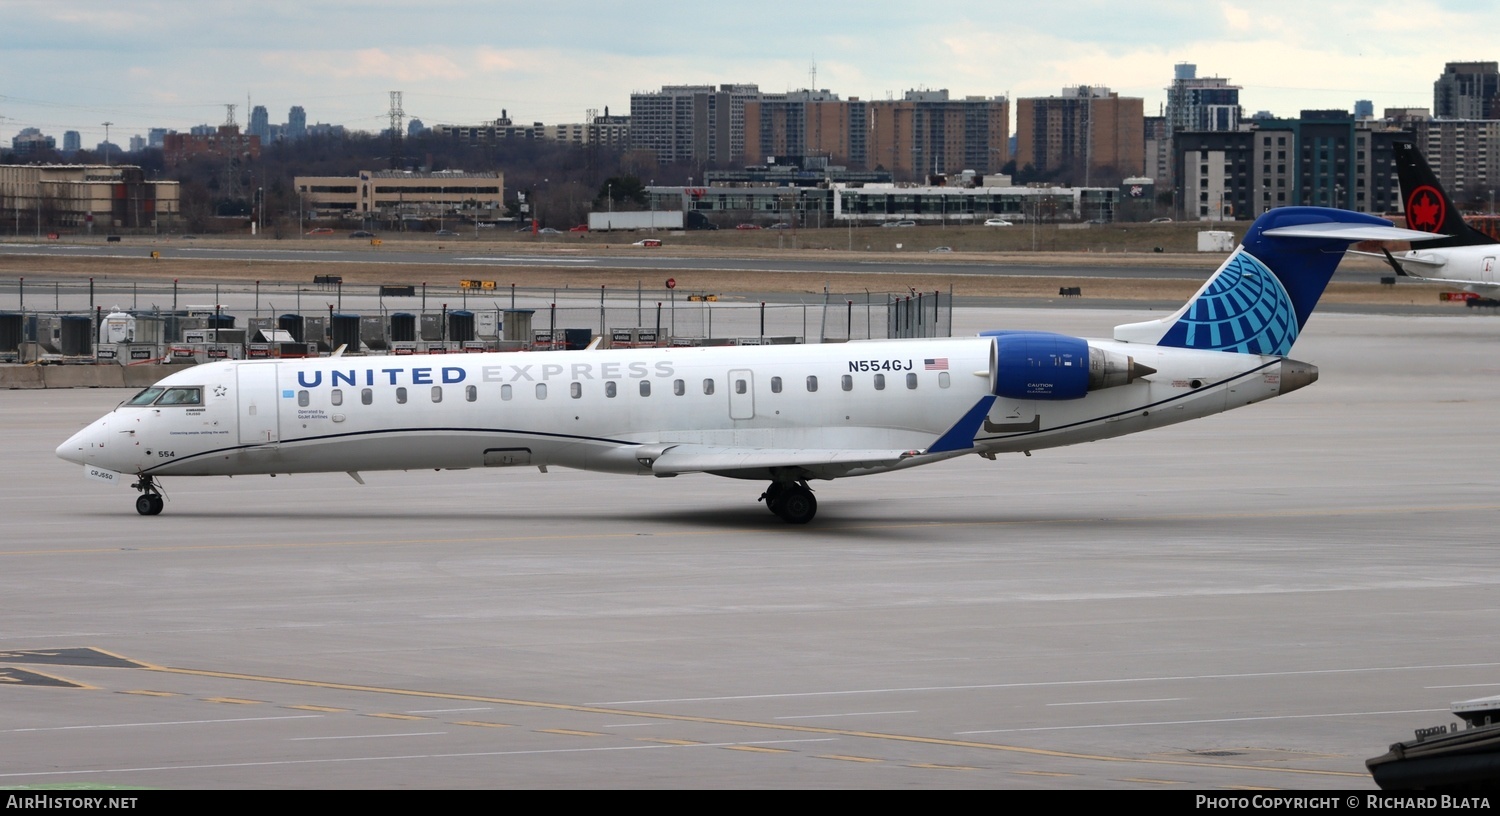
[(911, 380), (575, 390), (740, 387), (879, 382), (401, 395), (471, 393), (943, 380), (541, 391), (679, 387), (366, 396), (846, 382), (645, 388), (336, 396), (708, 386), (303, 398), (812, 383), (775, 385), (609, 389), (437, 393), (505, 392)]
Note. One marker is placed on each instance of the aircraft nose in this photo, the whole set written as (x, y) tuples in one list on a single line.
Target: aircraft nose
[(78, 446)]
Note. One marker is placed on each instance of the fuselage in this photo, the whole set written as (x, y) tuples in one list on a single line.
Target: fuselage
[(598, 410), (1475, 268)]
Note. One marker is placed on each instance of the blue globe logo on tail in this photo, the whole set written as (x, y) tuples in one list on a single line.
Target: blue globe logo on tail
[(1244, 309)]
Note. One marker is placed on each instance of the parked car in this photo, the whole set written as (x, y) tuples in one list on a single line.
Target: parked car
[(361, 234), (997, 222), (648, 242), (1161, 220), (747, 227), (899, 224), (320, 231), (780, 225), (548, 231), (446, 234), (941, 249), (579, 228)]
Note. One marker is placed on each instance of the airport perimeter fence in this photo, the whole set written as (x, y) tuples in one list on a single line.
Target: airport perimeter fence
[(129, 321)]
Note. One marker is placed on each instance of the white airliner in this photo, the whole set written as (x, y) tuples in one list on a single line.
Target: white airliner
[(1458, 255), (785, 415)]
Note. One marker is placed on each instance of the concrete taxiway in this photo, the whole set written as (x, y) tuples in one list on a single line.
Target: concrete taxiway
[(1264, 598)]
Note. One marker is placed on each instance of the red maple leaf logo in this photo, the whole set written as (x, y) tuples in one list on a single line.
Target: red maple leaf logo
[(1424, 210)]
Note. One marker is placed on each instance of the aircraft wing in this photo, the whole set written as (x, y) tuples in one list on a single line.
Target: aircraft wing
[(711, 459), (825, 463)]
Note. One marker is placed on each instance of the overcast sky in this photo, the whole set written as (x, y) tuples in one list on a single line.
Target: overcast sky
[(74, 64)]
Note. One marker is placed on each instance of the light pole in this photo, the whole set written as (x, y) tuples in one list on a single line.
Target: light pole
[(106, 143)]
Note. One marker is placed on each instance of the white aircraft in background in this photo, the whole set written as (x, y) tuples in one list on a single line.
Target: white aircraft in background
[(1458, 254), (781, 414)]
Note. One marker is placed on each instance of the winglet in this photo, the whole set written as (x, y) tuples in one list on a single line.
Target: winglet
[(961, 435)]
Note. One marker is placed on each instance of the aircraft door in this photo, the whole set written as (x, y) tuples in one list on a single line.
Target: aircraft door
[(741, 394), (1487, 270), (258, 403)]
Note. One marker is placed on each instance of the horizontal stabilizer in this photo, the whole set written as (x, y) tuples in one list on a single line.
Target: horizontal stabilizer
[(1350, 232)]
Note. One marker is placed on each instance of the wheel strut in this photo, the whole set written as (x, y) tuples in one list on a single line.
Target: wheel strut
[(150, 502)]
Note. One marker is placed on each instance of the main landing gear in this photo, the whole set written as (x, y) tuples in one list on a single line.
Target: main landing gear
[(150, 502), (792, 501)]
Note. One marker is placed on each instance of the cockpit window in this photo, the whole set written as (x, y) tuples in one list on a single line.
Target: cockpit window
[(182, 396), (146, 397)]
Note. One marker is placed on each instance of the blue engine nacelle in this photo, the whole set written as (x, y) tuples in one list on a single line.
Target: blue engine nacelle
[(1047, 366)]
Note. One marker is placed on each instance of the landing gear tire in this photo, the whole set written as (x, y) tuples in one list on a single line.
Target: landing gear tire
[(149, 504), (796, 505), (772, 497)]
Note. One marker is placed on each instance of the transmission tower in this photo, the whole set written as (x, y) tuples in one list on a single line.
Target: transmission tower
[(229, 115), (397, 115)]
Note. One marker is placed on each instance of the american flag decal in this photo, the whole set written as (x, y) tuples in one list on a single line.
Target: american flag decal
[(935, 364)]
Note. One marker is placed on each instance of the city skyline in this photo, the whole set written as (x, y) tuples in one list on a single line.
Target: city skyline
[(167, 65)]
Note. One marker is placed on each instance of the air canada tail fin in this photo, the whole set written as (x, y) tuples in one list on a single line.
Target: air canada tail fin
[(1261, 297), (1428, 207)]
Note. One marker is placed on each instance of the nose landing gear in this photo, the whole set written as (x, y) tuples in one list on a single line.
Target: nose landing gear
[(150, 502), (792, 501)]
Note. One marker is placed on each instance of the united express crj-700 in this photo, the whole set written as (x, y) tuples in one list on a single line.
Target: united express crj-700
[(784, 415)]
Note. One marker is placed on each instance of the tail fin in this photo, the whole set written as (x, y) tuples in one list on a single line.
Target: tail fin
[(1428, 207), (1261, 297)]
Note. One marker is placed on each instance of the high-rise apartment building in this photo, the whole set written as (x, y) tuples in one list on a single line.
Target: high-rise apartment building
[(1324, 158), (1201, 103), (296, 123), (1093, 135), (260, 124), (702, 124), (1465, 155), (808, 123), (927, 133), (1467, 90), (31, 141)]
